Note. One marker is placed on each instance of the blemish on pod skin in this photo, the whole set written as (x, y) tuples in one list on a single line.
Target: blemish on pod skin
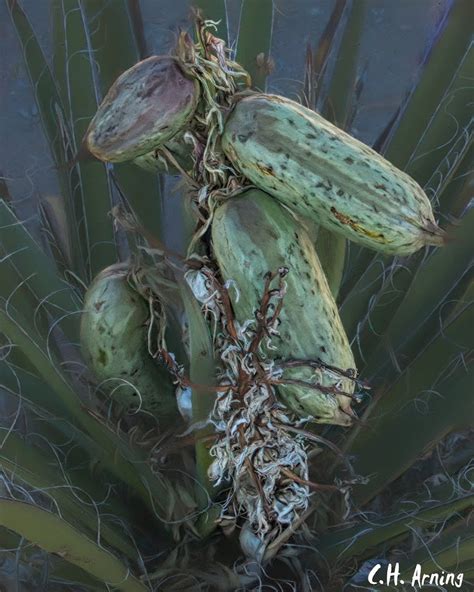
[(325, 175), (253, 234), (114, 345)]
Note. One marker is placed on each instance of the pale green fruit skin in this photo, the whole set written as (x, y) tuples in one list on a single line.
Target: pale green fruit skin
[(178, 149), (144, 108), (324, 174), (113, 342), (253, 234)]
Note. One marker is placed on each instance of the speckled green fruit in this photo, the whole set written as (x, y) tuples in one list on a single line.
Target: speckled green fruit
[(114, 345), (253, 234), (326, 175), (145, 107)]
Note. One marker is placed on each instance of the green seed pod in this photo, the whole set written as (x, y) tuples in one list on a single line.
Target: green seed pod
[(322, 173), (178, 149), (251, 235), (145, 107), (114, 345)]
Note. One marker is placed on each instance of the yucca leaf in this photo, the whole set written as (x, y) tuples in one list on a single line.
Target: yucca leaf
[(426, 301), (15, 294), (255, 40), (30, 464), (448, 552), (23, 381), (358, 541), (331, 250), (371, 307), (451, 119), (59, 66), (433, 392), (112, 38), (81, 85), (53, 117), (463, 299), (20, 333), (4, 191), (202, 370), (442, 59), (50, 419), (55, 535), (19, 378), (31, 571), (44, 87), (38, 272), (144, 194), (340, 94), (316, 74), (46, 423), (136, 20), (55, 232), (459, 162), (100, 441)]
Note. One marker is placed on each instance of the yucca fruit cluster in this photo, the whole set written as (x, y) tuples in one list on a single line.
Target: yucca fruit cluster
[(259, 168)]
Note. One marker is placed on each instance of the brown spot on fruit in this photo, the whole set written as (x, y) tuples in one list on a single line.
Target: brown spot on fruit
[(98, 305), (102, 357), (346, 220), (267, 169)]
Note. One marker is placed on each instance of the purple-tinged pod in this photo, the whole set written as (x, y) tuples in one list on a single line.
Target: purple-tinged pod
[(144, 108)]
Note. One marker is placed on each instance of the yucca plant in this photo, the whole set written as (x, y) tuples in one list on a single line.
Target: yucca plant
[(97, 497)]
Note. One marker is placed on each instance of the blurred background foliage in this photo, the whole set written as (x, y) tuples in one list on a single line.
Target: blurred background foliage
[(399, 76)]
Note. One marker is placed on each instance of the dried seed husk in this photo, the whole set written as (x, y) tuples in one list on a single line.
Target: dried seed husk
[(253, 234), (145, 107), (114, 345), (324, 174)]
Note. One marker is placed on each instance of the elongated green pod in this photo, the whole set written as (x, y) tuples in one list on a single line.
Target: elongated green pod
[(253, 234), (114, 345), (324, 174), (145, 107)]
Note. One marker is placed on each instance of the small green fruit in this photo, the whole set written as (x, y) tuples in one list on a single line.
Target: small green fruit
[(114, 345)]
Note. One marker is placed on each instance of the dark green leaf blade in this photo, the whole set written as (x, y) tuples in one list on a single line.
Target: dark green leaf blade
[(441, 61), (434, 391), (360, 540), (55, 535), (255, 40), (93, 190), (202, 370), (30, 464), (38, 273), (54, 120)]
